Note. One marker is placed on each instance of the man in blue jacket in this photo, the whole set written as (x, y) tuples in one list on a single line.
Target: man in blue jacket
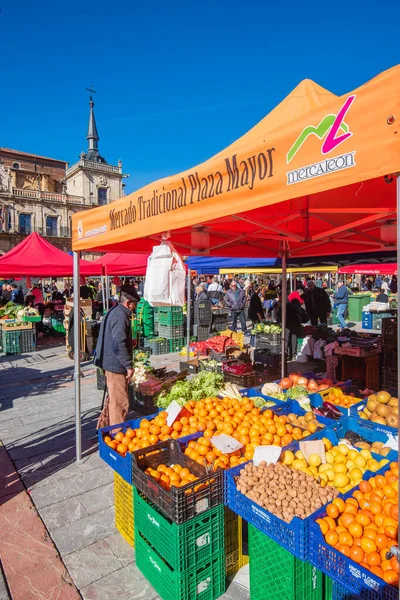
[(235, 300), (342, 301), (114, 356)]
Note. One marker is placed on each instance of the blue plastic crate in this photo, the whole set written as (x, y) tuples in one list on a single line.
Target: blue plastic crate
[(369, 424), (293, 536), (371, 435), (347, 573), (318, 399), (123, 464)]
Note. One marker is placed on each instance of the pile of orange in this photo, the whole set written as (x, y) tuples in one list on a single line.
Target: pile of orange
[(175, 476), (365, 526), (237, 418), (338, 397), (204, 453)]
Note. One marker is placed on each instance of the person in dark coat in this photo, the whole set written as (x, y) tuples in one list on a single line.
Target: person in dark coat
[(317, 302), (200, 294), (256, 311), (235, 300), (295, 317), (114, 356)]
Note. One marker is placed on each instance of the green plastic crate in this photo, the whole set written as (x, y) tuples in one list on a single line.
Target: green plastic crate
[(57, 325), (176, 345), (183, 546), (204, 582), (170, 315), (278, 575), (11, 341), (328, 587)]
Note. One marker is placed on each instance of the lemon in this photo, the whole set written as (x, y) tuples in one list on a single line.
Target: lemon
[(350, 464), (306, 471), (313, 470), (339, 469), (373, 465), (314, 460), (352, 454), (323, 477), (366, 454), (383, 462), (329, 457), (335, 451), (360, 461), (325, 467), (327, 443), (340, 459), (299, 454), (287, 457), (343, 449), (323, 482), (299, 463), (341, 480), (356, 474), (331, 474)]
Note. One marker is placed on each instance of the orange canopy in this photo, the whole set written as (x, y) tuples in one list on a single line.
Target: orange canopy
[(309, 178)]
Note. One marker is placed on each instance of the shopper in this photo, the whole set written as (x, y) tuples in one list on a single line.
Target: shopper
[(341, 298), (385, 285), (114, 356), (382, 296), (17, 295), (6, 293), (200, 294), (215, 291), (393, 285), (296, 295), (295, 317), (37, 292), (378, 282), (256, 311), (235, 300), (317, 302)]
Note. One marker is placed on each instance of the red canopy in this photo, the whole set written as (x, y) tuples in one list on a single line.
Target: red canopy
[(35, 257), (123, 264), (366, 269)]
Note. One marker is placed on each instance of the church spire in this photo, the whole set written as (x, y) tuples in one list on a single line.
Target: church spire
[(92, 135)]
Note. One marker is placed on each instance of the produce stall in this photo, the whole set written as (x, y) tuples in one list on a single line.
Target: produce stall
[(344, 528)]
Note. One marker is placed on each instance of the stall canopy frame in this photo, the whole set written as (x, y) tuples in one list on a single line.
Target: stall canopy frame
[(317, 176)]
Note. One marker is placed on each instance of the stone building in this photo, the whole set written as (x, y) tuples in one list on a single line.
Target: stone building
[(41, 194)]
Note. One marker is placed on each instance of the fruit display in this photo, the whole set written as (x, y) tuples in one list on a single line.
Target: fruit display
[(307, 421), (343, 468), (358, 441), (381, 408), (282, 491), (364, 527), (237, 337), (218, 343), (337, 397), (206, 454), (173, 476), (205, 384)]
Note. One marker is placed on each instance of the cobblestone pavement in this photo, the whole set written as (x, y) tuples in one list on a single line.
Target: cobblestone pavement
[(75, 502)]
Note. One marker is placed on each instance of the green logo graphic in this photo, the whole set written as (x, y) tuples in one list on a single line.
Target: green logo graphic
[(320, 131)]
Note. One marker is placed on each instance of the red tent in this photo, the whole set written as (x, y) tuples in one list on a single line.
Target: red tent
[(35, 257), (366, 269), (123, 264)]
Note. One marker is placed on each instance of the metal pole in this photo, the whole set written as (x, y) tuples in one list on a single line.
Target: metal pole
[(291, 276), (329, 280), (77, 358), (107, 294), (188, 313), (102, 291), (284, 299)]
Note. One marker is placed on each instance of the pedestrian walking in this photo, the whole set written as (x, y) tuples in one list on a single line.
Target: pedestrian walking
[(114, 356), (341, 298), (317, 302), (235, 300)]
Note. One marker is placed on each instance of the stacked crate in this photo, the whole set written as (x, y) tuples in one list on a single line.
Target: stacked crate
[(124, 511), (389, 353), (179, 533), (18, 338), (170, 326), (220, 318)]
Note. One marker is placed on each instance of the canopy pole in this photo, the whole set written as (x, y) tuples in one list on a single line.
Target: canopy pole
[(107, 294), (291, 275), (77, 358), (283, 319), (188, 313), (102, 291)]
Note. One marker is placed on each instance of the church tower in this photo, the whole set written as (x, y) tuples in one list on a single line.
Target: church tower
[(92, 177)]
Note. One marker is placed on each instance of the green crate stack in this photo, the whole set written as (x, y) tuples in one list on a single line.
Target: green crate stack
[(328, 587), (276, 574), (170, 315), (11, 341), (176, 345), (181, 562)]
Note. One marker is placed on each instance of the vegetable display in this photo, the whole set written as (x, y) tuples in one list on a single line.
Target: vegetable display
[(204, 385), (283, 492), (10, 311), (311, 385), (265, 328)]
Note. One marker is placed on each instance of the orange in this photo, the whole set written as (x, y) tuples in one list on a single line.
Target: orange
[(378, 571), (365, 487), (355, 529), (113, 445), (144, 424), (332, 511), (345, 538), (177, 426), (119, 436), (344, 549), (380, 481), (357, 554), (323, 526), (132, 447), (153, 439), (208, 433), (107, 439), (391, 577), (155, 430), (346, 519), (184, 473), (350, 508), (332, 538), (340, 504), (391, 532), (363, 519), (122, 448), (177, 468), (331, 523), (368, 545), (374, 559), (370, 533), (394, 563), (381, 541)]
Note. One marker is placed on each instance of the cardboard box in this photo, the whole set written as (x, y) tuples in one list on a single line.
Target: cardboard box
[(357, 351), (86, 306)]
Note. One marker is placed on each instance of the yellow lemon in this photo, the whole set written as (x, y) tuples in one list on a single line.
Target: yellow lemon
[(287, 457), (307, 471), (383, 462), (343, 449), (341, 480), (356, 474), (331, 474), (360, 461), (299, 454), (340, 459), (339, 469), (330, 459), (323, 477), (327, 443), (299, 463), (366, 454), (325, 467), (334, 451), (373, 465), (352, 454), (314, 460), (313, 470)]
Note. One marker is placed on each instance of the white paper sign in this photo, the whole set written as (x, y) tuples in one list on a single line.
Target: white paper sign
[(173, 411), (226, 443), (269, 454), (392, 442)]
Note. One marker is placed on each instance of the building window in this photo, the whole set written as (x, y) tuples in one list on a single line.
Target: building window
[(101, 196), (51, 226), (16, 165), (25, 227)]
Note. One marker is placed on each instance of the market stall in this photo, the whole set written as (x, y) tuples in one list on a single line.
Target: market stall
[(315, 176)]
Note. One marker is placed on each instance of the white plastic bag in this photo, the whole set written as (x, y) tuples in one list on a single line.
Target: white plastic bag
[(165, 277)]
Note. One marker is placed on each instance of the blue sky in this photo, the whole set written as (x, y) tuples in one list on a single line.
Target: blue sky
[(177, 81)]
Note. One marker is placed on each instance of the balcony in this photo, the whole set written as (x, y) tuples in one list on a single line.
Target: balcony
[(47, 196), (89, 164)]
